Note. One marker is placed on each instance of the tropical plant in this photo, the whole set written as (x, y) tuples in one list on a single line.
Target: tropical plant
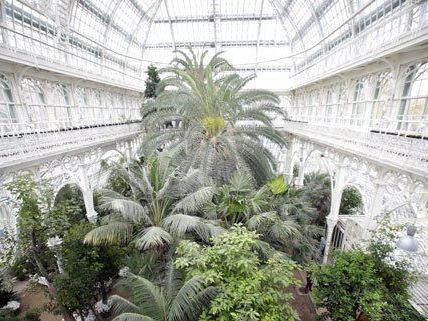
[(317, 187), (219, 127), (373, 284), (151, 218), (6, 294), (351, 202), (293, 205), (278, 212), (151, 82), (174, 300), (87, 269), (249, 289), (36, 214)]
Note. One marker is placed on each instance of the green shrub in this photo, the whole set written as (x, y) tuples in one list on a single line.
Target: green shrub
[(351, 202), (249, 289), (32, 315), (6, 295), (7, 316), (22, 269)]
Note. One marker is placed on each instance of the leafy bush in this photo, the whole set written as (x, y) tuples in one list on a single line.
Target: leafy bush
[(351, 201), (249, 289), (22, 268), (278, 185), (7, 316), (6, 295), (32, 315), (368, 283)]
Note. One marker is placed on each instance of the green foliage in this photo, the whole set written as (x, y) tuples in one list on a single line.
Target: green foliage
[(6, 294), (317, 188), (278, 185), (22, 268), (152, 82), (38, 220), (351, 202), (31, 315), (373, 282), (8, 316), (222, 127), (173, 300), (148, 218), (249, 289), (7, 248), (86, 268), (71, 195), (348, 285), (30, 218), (116, 180)]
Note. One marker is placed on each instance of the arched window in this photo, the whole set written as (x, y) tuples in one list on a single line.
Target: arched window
[(329, 104), (37, 115), (8, 113), (301, 104), (341, 106), (359, 102), (83, 103), (381, 106), (63, 105), (413, 111)]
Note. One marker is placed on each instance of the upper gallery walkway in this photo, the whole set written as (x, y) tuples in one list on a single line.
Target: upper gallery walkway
[(397, 152), (25, 149)]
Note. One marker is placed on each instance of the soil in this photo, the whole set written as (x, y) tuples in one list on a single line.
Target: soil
[(33, 297)]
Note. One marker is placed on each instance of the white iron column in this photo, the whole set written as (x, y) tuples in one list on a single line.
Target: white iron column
[(88, 193), (289, 162), (376, 208), (301, 175), (336, 197)]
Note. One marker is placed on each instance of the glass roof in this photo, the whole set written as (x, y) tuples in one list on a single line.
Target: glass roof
[(270, 37), (251, 32)]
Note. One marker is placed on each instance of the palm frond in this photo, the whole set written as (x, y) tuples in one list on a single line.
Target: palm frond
[(152, 237), (196, 200), (129, 209), (190, 300), (111, 233), (133, 317), (121, 305)]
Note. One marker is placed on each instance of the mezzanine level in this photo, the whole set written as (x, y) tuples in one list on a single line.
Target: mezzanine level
[(24, 149), (389, 150)]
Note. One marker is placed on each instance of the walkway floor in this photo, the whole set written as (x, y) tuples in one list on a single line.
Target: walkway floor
[(303, 302)]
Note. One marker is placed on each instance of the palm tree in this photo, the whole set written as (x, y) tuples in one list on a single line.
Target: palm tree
[(149, 218), (294, 205), (317, 189), (240, 201), (281, 214), (219, 126), (173, 301)]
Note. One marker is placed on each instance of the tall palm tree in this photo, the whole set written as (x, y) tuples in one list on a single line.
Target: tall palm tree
[(219, 126), (240, 201), (149, 218), (173, 301), (317, 189)]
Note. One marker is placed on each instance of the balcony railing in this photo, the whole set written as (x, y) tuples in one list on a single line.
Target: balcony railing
[(19, 148), (406, 24), (402, 125), (42, 51), (402, 152), (36, 118)]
